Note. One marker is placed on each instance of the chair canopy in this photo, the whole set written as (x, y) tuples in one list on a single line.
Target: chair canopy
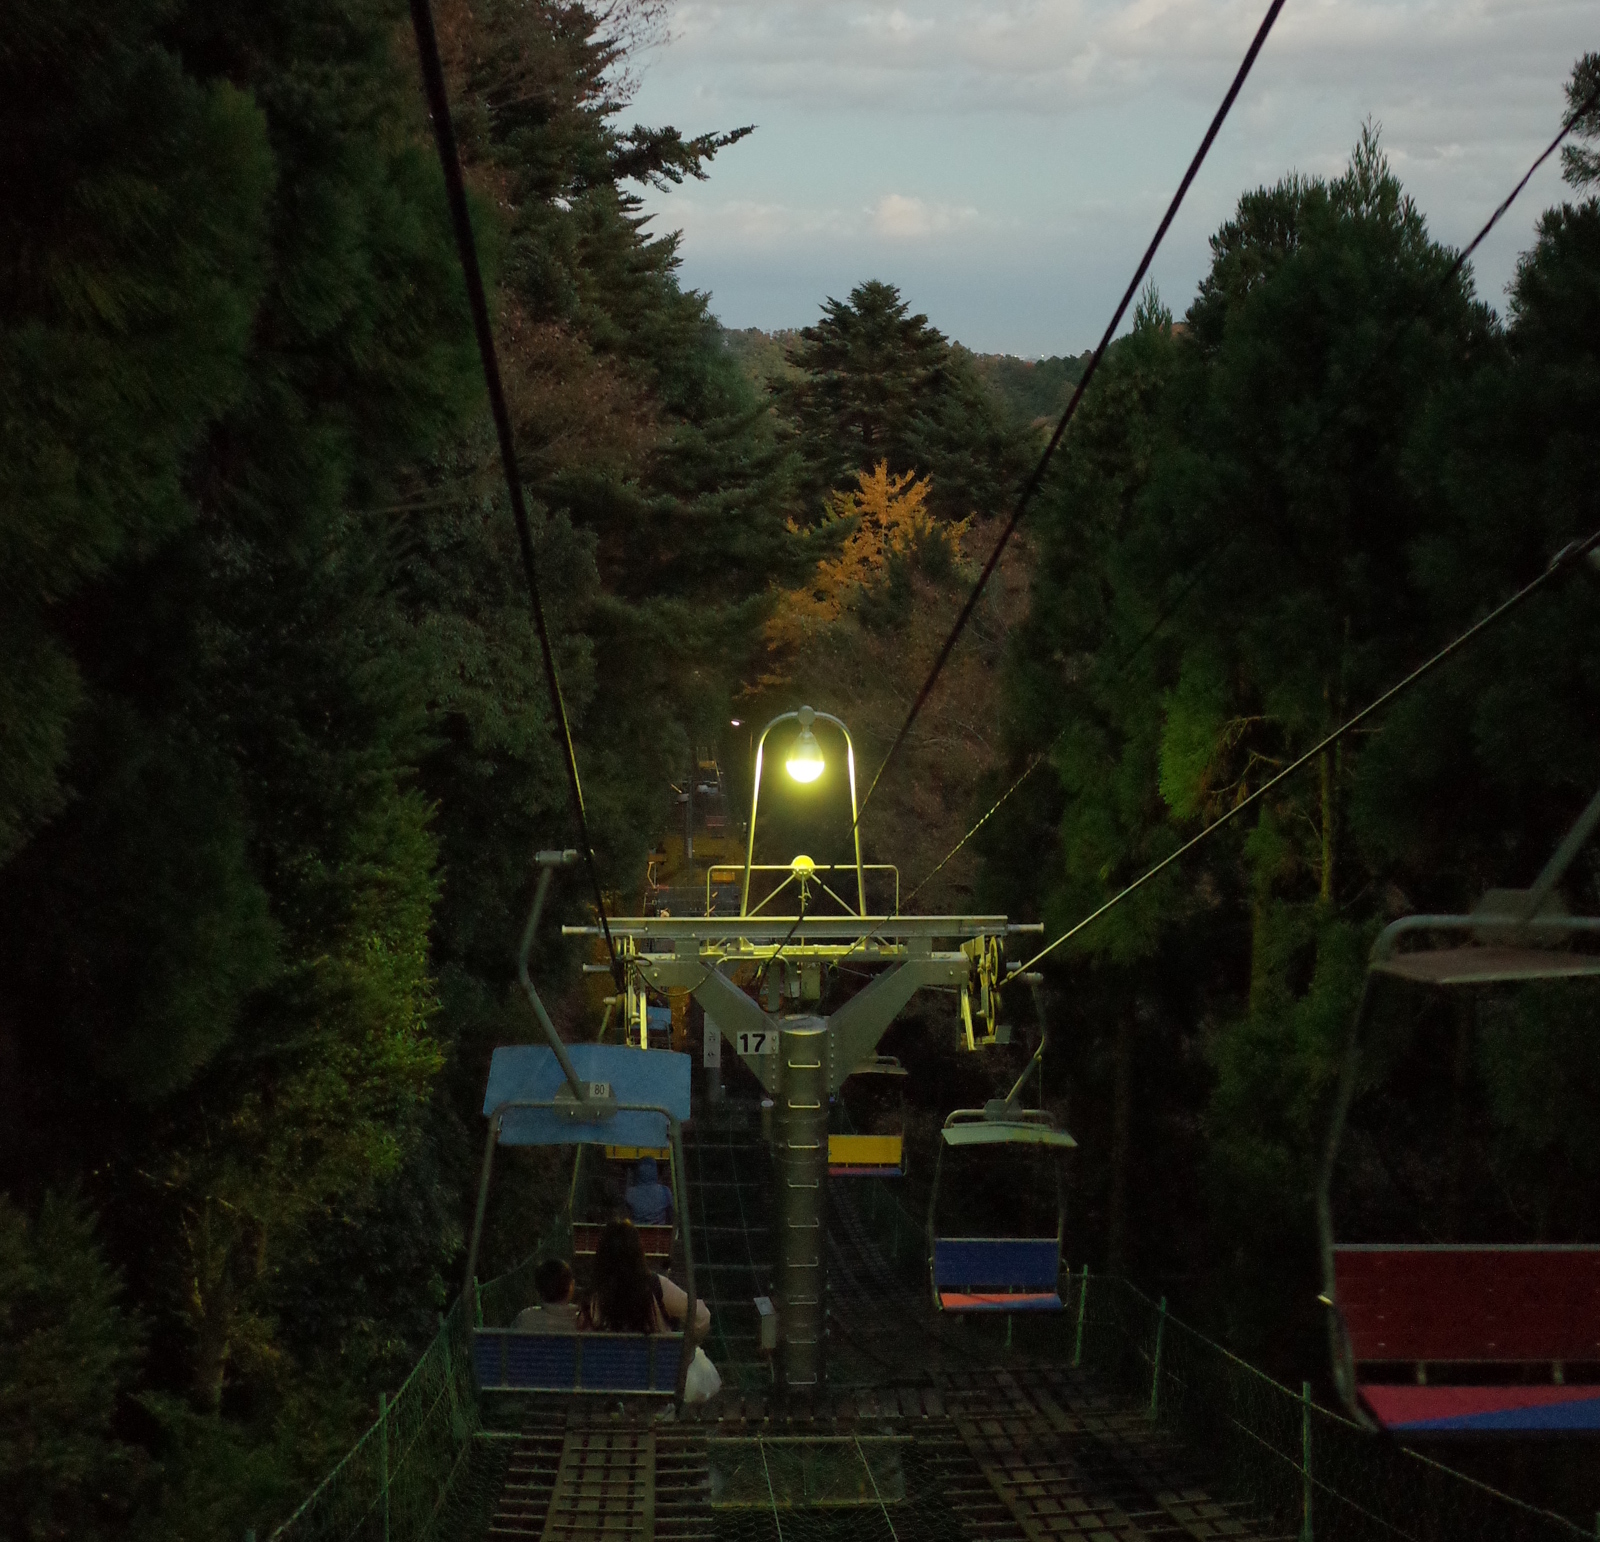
[(530, 1073), (1006, 1132)]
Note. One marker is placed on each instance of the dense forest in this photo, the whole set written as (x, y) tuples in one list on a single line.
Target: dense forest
[(275, 744), (1261, 518)]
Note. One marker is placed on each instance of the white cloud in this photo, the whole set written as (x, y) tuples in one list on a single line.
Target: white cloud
[(896, 217), (754, 226), (1008, 160), (938, 56), (749, 223)]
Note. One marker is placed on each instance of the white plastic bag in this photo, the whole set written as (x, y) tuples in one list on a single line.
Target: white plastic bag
[(703, 1381)]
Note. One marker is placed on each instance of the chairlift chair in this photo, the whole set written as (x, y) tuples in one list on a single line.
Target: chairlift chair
[(851, 1155), (618, 1096), (1496, 1306), (998, 1273), (588, 1216)]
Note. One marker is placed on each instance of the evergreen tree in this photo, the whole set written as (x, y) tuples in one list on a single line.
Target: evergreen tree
[(1249, 486), (878, 383), (68, 1351), (216, 956), (131, 259), (1580, 165)]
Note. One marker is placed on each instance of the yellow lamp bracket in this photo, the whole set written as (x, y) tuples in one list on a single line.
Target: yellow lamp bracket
[(805, 764)]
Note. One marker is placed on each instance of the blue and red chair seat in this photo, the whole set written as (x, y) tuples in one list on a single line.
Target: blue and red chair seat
[(997, 1274)]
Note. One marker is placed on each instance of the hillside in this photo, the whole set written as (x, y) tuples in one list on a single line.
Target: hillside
[(1030, 390)]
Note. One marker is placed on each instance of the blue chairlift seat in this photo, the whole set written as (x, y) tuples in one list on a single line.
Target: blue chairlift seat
[(997, 1274), (513, 1360)]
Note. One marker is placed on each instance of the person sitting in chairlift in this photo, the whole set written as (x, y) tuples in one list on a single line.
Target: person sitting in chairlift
[(648, 1199), (629, 1296), (558, 1312)]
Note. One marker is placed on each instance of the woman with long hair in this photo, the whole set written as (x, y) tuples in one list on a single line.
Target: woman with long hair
[(629, 1296)]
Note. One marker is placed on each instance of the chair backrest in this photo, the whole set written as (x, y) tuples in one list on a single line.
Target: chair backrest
[(509, 1360), (996, 1263), (657, 1240), (875, 1152), (1470, 1304)]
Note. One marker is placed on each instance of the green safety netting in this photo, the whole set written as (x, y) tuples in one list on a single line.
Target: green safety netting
[(430, 1465), (433, 1464)]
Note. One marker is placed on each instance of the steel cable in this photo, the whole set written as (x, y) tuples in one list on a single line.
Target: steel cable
[(466, 247), (1036, 477), (1559, 563)]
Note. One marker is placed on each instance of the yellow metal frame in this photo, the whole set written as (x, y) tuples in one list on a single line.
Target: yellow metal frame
[(988, 970)]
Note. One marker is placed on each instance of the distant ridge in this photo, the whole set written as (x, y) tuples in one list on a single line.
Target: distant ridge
[(1027, 391)]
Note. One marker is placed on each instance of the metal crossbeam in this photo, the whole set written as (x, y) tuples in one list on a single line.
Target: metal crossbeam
[(703, 955), (797, 929)]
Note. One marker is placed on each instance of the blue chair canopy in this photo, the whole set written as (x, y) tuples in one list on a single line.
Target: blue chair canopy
[(530, 1073)]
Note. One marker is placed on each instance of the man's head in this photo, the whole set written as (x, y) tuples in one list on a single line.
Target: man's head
[(645, 1171), (553, 1280)]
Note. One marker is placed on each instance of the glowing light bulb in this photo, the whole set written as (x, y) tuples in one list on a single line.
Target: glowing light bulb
[(805, 762)]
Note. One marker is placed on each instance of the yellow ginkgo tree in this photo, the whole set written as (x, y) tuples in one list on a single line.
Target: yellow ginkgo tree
[(887, 518)]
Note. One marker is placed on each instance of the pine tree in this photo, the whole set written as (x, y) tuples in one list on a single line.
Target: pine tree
[(68, 1351), (877, 382), (1247, 486), (216, 955), (131, 259)]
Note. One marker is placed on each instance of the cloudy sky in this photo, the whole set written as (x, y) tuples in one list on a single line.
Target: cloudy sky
[(1005, 163)]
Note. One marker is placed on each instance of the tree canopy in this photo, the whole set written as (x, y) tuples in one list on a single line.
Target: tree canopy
[(274, 740)]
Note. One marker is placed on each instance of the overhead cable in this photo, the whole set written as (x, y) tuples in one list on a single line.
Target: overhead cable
[(1038, 758), (1588, 104), (455, 188), (1036, 477), (1461, 260), (1559, 563)]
